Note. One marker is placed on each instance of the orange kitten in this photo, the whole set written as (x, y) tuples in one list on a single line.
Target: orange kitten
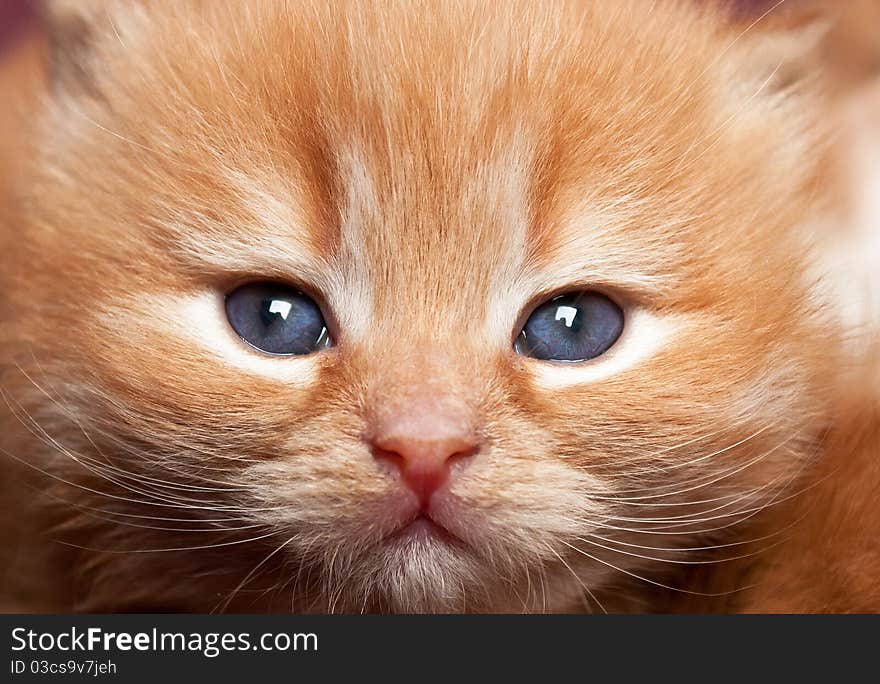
[(434, 306)]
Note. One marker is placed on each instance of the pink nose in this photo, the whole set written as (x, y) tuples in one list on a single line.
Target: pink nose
[(422, 442)]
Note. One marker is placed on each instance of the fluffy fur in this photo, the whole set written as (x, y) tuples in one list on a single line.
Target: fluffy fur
[(428, 171)]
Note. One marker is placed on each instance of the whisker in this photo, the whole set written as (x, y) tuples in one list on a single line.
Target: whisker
[(650, 581), (575, 575), (714, 479), (225, 604), (107, 495), (112, 517), (226, 486), (235, 542), (692, 462), (676, 561)]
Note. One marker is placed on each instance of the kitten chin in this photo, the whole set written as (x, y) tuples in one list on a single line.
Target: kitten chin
[(425, 308)]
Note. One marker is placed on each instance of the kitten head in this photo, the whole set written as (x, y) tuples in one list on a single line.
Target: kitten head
[(443, 306)]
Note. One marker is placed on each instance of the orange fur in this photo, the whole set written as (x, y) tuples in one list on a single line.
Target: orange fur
[(427, 171)]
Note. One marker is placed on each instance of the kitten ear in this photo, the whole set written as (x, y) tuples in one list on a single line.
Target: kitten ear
[(828, 40), (70, 31), (75, 29), (784, 40)]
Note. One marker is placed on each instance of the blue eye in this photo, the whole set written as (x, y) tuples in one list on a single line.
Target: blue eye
[(572, 327), (276, 319)]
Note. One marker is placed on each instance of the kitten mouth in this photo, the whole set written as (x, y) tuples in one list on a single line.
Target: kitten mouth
[(423, 529)]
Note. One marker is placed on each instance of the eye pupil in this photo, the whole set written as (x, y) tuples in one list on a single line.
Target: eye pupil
[(573, 327), (276, 319)]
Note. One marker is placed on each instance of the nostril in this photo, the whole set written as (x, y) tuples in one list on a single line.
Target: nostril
[(389, 460), (423, 465), (461, 458)]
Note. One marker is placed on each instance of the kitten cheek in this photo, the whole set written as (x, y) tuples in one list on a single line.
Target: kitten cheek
[(202, 320), (644, 334)]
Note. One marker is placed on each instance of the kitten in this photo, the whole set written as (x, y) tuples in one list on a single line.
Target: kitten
[(437, 306)]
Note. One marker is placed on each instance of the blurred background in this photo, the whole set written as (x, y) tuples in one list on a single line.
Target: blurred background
[(22, 59)]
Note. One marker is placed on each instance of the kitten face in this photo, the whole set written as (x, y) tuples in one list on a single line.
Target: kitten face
[(428, 177)]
